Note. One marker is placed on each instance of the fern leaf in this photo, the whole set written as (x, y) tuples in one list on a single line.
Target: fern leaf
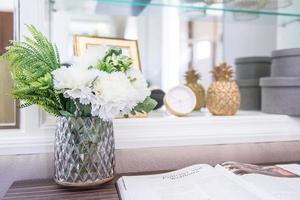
[(30, 64)]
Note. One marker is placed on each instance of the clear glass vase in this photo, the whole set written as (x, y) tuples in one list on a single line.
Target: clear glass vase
[(84, 151)]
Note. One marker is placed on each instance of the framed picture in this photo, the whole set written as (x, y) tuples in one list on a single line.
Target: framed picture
[(129, 47)]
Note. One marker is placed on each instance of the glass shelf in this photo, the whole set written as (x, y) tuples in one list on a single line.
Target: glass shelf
[(291, 11)]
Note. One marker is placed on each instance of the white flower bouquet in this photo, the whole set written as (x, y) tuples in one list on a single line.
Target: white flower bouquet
[(101, 84), (104, 87)]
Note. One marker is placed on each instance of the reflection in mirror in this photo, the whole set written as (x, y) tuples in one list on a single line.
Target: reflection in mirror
[(165, 47), (8, 106), (172, 40)]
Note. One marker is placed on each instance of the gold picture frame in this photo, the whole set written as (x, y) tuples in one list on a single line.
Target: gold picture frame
[(81, 43)]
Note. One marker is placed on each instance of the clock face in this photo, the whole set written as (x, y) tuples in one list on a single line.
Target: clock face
[(180, 100)]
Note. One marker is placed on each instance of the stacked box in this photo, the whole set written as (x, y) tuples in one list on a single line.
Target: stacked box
[(248, 72), (281, 91)]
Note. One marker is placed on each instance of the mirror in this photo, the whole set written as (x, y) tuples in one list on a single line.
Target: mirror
[(165, 48), (171, 40), (9, 112)]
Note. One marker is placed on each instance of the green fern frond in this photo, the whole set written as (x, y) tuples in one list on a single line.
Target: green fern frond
[(47, 104), (31, 63), (25, 104), (49, 50)]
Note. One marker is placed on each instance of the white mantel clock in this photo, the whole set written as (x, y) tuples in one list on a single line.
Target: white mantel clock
[(180, 101)]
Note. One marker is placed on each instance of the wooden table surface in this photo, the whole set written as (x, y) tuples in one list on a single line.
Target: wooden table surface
[(47, 189)]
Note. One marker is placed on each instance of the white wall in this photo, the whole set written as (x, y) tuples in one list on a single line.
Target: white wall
[(209, 29), (6, 5), (288, 36), (288, 32), (249, 38), (150, 45)]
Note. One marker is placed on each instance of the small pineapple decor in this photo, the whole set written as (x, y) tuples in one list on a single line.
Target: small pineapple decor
[(192, 77), (223, 95)]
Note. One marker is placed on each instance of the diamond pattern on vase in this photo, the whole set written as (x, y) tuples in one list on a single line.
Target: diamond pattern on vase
[(84, 151)]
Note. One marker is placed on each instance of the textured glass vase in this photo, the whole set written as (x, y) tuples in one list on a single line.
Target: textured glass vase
[(84, 151)]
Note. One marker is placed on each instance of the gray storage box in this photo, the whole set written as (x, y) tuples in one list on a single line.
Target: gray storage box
[(281, 95), (286, 63), (252, 67), (250, 94), (248, 72)]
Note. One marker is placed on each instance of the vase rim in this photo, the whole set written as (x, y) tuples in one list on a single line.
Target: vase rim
[(78, 117)]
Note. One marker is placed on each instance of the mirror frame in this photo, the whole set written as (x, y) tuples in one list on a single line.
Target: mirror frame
[(16, 36)]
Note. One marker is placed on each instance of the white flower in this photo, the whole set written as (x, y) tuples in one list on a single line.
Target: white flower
[(114, 94), (79, 75), (139, 83), (108, 94), (73, 78), (84, 95), (75, 82)]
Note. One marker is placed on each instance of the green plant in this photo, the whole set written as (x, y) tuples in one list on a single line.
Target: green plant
[(31, 63), (146, 106), (114, 61)]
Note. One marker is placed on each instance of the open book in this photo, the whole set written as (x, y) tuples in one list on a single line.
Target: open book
[(204, 182)]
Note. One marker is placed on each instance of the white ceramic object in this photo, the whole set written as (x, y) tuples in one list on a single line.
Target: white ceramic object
[(180, 101)]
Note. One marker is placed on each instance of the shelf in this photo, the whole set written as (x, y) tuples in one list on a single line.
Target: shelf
[(201, 128), (136, 7), (160, 129), (291, 11)]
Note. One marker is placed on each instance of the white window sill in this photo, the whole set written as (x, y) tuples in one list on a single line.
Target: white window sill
[(162, 130)]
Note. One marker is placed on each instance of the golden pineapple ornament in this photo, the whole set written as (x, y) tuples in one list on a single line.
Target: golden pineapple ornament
[(192, 78), (223, 95)]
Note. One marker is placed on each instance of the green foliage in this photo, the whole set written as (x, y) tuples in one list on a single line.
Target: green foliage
[(31, 63), (75, 109), (114, 61), (146, 106)]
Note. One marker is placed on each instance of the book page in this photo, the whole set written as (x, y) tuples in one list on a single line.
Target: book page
[(281, 181), (198, 182), (238, 168), (280, 188)]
